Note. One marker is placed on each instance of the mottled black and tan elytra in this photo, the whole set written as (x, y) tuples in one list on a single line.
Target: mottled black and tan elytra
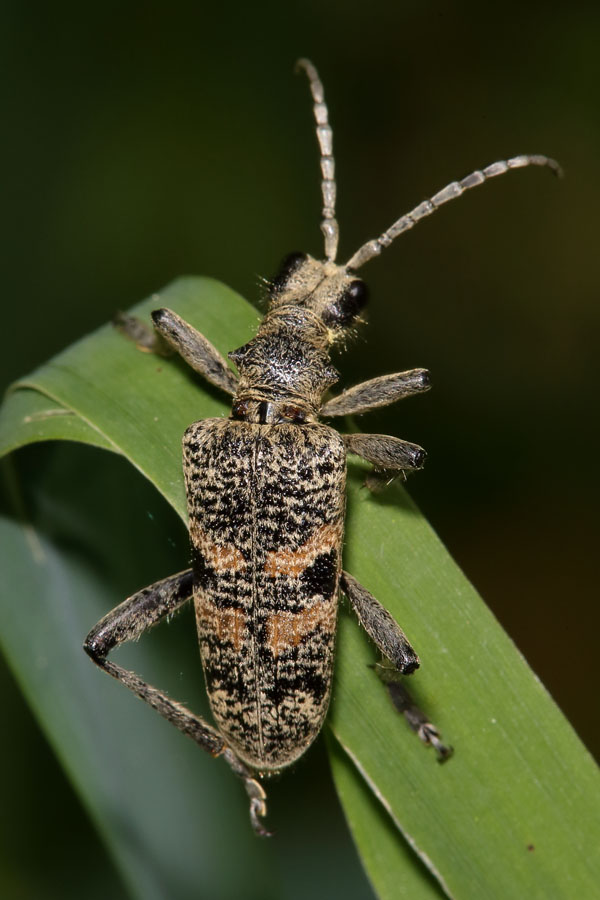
[(266, 499)]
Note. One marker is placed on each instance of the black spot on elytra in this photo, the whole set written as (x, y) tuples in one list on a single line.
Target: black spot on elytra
[(308, 681), (321, 576)]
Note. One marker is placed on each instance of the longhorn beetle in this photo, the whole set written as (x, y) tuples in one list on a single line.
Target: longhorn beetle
[(266, 499)]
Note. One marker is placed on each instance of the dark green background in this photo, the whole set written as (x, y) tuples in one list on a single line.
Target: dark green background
[(142, 141)]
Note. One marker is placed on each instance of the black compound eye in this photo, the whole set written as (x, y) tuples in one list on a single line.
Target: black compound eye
[(290, 264), (346, 308)]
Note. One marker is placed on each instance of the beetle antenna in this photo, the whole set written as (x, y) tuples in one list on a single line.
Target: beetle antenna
[(329, 225), (450, 192)]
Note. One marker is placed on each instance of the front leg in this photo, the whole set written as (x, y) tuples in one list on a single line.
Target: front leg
[(128, 622), (377, 392), (197, 351), (400, 659), (172, 333), (145, 338)]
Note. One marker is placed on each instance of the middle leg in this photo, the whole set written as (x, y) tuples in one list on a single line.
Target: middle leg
[(377, 392)]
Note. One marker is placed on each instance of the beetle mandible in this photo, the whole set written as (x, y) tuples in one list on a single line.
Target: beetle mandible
[(266, 502)]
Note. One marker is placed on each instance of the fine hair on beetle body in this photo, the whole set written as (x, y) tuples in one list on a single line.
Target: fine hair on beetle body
[(266, 502)]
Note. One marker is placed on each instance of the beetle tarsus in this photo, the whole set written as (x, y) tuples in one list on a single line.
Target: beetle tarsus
[(430, 736), (254, 789), (258, 810), (416, 718)]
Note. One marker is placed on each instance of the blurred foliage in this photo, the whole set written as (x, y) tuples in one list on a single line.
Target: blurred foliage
[(144, 142)]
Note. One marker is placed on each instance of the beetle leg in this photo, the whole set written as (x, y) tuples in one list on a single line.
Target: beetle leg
[(415, 716), (195, 349), (145, 338), (380, 626), (401, 659), (377, 392), (255, 791), (129, 621), (390, 456), (172, 334)]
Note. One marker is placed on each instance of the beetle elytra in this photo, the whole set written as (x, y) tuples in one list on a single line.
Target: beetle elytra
[(266, 502)]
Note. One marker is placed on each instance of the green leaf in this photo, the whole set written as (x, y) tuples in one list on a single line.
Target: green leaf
[(515, 811), (512, 814)]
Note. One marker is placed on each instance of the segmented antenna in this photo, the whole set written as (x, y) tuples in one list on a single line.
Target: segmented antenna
[(450, 192), (329, 225)]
